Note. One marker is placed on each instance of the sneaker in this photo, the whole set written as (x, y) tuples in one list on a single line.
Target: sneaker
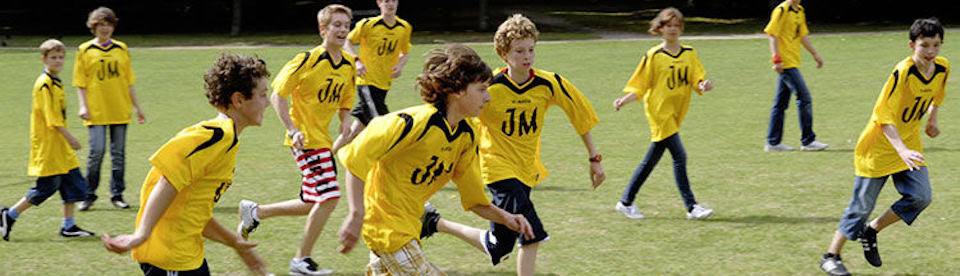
[(833, 265), (868, 239), (814, 146), (698, 212), (85, 205), (306, 266), (118, 202), (247, 222), (629, 211), (778, 148), (6, 224), (74, 232), (429, 221)]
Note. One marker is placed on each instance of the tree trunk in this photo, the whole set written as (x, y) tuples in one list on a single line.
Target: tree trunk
[(237, 12)]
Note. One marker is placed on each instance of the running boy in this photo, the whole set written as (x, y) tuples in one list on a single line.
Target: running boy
[(190, 173), (405, 157), (52, 156), (104, 80), (510, 142), (666, 75), (329, 70), (890, 146)]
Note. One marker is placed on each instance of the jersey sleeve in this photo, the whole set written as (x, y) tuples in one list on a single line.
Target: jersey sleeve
[(79, 71), (467, 177), (699, 74), (938, 99), (773, 27), (128, 69), (406, 44), (642, 78), (890, 99), (575, 105), (287, 79), (183, 159), (51, 108), (355, 34), (804, 31), (384, 134)]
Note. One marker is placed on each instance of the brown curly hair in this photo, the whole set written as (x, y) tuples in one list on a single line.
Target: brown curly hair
[(514, 28), (450, 70), (664, 17), (233, 73), (101, 15)]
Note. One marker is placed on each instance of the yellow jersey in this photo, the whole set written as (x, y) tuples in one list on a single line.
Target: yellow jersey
[(50, 153), (904, 100), (317, 87), (512, 121), (404, 158), (380, 48), (106, 74), (789, 25), (198, 162), (664, 81)]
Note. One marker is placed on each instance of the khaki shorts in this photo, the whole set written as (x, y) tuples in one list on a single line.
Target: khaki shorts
[(408, 260)]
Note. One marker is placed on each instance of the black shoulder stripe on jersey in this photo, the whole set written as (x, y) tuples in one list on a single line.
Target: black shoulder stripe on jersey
[(95, 46), (326, 55), (896, 78), (384, 24), (55, 80), (234, 138), (664, 51), (537, 81), (562, 88), (938, 69), (407, 126), (781, 12), (45, 86), (790, 8), (217, 136), (305, 58), (436, 120)]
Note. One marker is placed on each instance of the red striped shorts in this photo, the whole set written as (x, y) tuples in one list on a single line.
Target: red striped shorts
[(319, 171)]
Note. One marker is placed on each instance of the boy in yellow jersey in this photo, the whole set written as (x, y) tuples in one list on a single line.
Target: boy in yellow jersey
[(403, 158), (788, 30), (384, 43), (104, 81), (509, 132), (191, 172), (890, 146), (52, 156), (320, 83), (663, 79)]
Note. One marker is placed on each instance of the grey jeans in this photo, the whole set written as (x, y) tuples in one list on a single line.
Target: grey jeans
[(118, 140)]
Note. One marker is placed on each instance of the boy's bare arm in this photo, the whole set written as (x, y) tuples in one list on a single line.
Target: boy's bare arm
[(397, 69), (282, 108), (361, 69), (515, 222), (136, 104), (775, 50), (216, 232), (912, 158), (621, 101), (82, 110), (74, 144), (932, 129), (597, 176), (158, 202), (812, 50), (349, 232)]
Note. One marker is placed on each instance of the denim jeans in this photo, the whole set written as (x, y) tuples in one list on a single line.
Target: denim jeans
[(675, 146), (791, 80), (118, 139), (914, 186)]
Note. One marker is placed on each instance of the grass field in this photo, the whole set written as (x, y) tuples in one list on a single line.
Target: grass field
[(775, 212)]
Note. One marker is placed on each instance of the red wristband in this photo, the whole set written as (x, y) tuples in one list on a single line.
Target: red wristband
[(776, 59)]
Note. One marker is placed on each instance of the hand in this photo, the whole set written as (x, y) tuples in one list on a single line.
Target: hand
[(778, 67), (819, 61), (140, 117), (912, 158), (298, 140), (250, 258), (617, 104), (596, 174), (705, 85), (519, 224), (83, 113), (74, 144), (349, 233), (361, 69), (396, 71), (932, 129), (120, 244)]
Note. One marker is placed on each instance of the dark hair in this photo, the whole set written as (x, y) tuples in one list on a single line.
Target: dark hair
[(101, 15), (450, 70), (926, 27), (233, 73)]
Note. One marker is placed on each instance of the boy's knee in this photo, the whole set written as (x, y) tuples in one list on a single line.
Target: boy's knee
[(329, 205), (922, 201)]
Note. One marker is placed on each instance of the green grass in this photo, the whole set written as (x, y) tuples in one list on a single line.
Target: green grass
[(775, 212)]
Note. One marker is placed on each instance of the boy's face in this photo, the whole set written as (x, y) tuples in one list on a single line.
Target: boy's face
[(521, 54), (103, 30), (252, 109), (472, 100), (335, 32), (388, 7), (672, 30), (54, 61), (926, 48)]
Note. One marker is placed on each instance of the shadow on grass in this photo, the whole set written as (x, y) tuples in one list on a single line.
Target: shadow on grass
[(53, 237), (544, 188), (16, 182), (768, 219), (937, 149)]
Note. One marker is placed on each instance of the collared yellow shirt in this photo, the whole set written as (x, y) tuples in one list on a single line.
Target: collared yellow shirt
[(664, 81), (380, 47), (106, 74), (789, 25), (50, 153)]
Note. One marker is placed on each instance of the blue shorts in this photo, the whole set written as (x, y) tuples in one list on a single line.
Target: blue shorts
[(512, 196), (72, 187), (914, 186)]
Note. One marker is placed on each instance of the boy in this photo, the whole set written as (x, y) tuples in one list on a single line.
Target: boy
[(52, 156), (788, 30), (104, 81), (890, 146), (510, 142), (190, 173), (384, 43), (329, 70)]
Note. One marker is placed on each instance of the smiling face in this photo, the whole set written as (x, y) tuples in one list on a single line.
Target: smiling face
[(925, 49), (521, 54), (103, 31), (54, 62), (251, 110), (335, 32), (472, 99)]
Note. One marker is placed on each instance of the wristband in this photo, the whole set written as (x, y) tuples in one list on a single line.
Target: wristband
[(596, 159), (776, 59), (292, 133)]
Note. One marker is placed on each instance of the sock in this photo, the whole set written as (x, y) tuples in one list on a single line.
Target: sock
[(12, 213), (254, 213), (625, 203), (831, 256), (869, 231), (690, 209), (68, 223)]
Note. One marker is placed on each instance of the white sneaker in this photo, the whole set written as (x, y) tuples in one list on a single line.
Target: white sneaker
[(629, 211), (814, 146), (306, 266), (248, 222), (777, 148), (699, 212)]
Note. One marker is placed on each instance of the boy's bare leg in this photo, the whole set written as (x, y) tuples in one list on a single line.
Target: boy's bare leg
[(68, 209), (22, 205), (527, 259), (345, 138), (888, 218), (319, 214), (838, 240), (293, 207), (471, 235)]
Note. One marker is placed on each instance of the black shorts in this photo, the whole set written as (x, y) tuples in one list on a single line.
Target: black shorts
[(512, 196), (72, 187), (150, 270), (371, 102)]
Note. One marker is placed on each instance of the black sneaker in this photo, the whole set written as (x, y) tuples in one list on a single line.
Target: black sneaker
[(429, 220), (833, 265), (74, 232), (6, 223), (85, 205), (119, 203), (868, 239)]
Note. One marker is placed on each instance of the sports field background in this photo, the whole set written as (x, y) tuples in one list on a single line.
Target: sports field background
[(774, 212)]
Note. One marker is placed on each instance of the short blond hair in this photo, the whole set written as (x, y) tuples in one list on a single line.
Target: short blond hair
[(101, 15), (52, 45), (325, 15), (664, 17), (516, 27)]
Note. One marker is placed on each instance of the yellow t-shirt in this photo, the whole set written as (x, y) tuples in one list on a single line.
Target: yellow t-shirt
[(380, 47), (664, 81), (317, 88), (106, 74), (789, 25), (50, 153), (199, 163), (404, 158), (512, 121), (904, 100)]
